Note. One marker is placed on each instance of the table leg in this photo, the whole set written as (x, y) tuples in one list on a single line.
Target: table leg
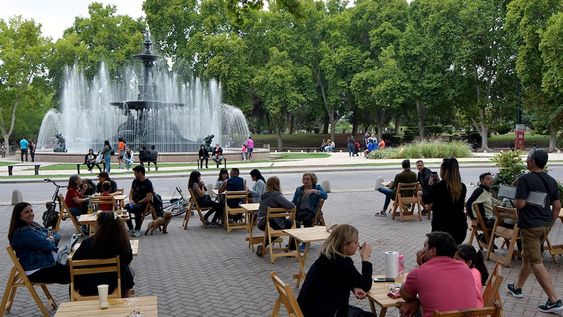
[(301, 274), (383, 312), (372, 306)]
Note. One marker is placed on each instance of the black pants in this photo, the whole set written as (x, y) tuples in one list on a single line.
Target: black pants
[(91, 166), (24, 152), (57, 273), (200, 166), (274, 225), (32, 153), (216, 208), (137, 210), (305, 216)]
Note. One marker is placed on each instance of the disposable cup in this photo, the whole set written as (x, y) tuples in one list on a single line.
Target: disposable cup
[(103, 294)]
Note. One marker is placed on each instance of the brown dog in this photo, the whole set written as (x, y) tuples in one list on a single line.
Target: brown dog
[(160, 223)]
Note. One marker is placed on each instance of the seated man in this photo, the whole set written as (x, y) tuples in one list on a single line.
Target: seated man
[(406, 176), (372, 146), (143, 155), (217, 155), (140, 195), (422, 177), (483, 198), (234, 183), (152, 158), (440, 282)]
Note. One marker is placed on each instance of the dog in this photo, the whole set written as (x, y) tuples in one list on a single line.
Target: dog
[(160, 223)]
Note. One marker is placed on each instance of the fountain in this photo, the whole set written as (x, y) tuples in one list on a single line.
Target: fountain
[(173, 116)]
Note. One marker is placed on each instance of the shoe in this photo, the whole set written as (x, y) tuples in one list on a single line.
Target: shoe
[(302, 248), (516, 292), (137, 233), (382, 213), (215, 224), (259, 251), (378, 182), (424, 212), (550, 307)]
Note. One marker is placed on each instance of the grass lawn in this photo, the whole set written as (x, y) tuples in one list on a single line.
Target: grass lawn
[(298, 155), (4, 163)]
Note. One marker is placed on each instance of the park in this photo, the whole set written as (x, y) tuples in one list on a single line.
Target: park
[(275, 158)]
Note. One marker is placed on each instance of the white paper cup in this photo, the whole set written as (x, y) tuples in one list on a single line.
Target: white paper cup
[(103, 294)]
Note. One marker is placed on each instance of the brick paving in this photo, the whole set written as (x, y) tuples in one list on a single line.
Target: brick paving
[(201, 272)]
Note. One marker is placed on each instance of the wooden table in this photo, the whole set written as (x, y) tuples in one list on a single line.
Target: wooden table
[(306, 235), (557, 249), (378, 295), (121, 307), (252, 210), (90, 219), (119, 199), (134, 248)]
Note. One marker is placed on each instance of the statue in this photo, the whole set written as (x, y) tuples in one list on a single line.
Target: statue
[(208, 139), (61, 146)]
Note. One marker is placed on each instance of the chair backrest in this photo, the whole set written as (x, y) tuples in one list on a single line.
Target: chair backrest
[(491, 291), (407, 190), (319, 218), (17, 264), (194, 200), (480, 221), (492, 311), (64, 207), (94, 266), (280, 213), (235, 195), (103, 200), (503, 213), (286, 296)]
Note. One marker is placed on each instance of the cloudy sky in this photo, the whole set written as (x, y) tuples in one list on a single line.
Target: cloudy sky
[(57, 15)]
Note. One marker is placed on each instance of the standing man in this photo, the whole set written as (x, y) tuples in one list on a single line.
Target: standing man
[(406, 176), (535, 220), (250, 147), (422, 177), (23, 147), (140, 195)]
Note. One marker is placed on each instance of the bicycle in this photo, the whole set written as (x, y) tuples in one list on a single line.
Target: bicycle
[(51, 215), (177, 206)]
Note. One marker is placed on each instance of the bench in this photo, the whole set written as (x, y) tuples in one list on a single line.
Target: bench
[(95, 165), (224, 161), (11, 168)]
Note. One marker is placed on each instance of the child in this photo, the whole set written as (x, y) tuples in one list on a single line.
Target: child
[(476, 262), (244, 150), (106, 187)]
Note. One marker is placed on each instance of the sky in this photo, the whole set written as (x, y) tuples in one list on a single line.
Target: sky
[(57, 15)]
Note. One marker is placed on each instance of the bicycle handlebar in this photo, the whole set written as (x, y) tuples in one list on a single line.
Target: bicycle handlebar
[(48, 180)]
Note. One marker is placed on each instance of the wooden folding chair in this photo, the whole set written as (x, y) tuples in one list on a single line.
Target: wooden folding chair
[(274, 235), (94, 266), (319, 219), (235, 211), (492, 311), (194, 204), (104, 200), (18, 278), (509, 235), (481, 227), (286, 297), (491, 295), (66, 214), (406, 198)]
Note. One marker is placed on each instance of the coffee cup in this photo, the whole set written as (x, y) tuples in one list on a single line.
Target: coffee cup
[(103, 294)]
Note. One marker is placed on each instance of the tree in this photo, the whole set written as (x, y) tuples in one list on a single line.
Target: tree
[(23, 73), (276, 85), (527, 21)]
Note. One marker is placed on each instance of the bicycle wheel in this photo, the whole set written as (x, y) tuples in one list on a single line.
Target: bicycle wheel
[(178, 209)]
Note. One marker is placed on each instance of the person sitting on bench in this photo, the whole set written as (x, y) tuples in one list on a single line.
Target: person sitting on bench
[(217, 155), (90, 161)]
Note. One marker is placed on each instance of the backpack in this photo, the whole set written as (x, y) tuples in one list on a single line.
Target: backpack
[(157, 204)]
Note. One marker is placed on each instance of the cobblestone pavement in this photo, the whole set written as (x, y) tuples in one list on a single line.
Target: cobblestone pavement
[(201, 272)]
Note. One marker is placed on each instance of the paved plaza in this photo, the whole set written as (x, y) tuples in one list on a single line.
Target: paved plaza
[(209, 272)]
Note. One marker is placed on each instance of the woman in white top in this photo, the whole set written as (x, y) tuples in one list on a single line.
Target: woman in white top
[(259, 185)]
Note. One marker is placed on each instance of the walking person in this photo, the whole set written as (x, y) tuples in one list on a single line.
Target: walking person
[(31, 146), (250, 147), (351, 145), (107, 153), (24, 149), (535, 220)]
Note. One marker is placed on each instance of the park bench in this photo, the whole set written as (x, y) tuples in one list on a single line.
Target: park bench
[(224, 161), (11, 167)]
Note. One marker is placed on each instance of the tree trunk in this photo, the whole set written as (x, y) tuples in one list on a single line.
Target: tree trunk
[(6, 144), (290, 120), (279, 139), (6, 132), (552, 139), (483, 131), (397, 126), (354, 123), (380, 123), (421, 112), (332, 119)]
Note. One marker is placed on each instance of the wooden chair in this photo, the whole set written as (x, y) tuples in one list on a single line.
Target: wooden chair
[(491, 295), (492, 311), (235, 211), (481, 227), (18, 278), (66, 214), (274, 235), (509, 235), (286, 297), (94, 266), (406, 194), (104, 200), (194, 204), (319, 219)]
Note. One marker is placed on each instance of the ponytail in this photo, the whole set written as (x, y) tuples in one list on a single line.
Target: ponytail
[(468, 253), (479, 264)]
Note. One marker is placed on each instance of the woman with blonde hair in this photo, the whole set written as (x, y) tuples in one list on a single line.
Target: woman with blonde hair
[(273, 198), (326, 290), (447, 197)]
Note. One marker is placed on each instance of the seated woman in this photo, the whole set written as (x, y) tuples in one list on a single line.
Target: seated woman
[(259, 184), (75, 201), (128, 157), (90, 161), (273, 198), (307, 198), (109, 241), (35, 247), (327, 287), (103, 177), (200, 192), (223, 176), (476, 262)]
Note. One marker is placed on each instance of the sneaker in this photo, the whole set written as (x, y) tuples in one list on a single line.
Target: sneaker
[(137, 233), (516, 292), (378, 183), (302, 248), (550, 307), (382, 213), (259, 251)]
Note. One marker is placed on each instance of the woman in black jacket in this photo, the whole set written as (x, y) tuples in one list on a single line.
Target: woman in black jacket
[(327, 287), (447, 198), (110, 240)]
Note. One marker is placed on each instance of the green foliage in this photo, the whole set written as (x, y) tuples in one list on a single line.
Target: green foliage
[(510, 166), (424, 149)]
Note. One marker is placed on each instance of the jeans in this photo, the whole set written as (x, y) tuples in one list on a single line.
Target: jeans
[(388, 196), (305, 216), (250, 150), (137, 210), (107, 163), (75, 211), (24, 152), (351, 149)]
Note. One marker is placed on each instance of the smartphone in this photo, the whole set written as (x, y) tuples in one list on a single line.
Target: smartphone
[(383, 279), (434, 175)]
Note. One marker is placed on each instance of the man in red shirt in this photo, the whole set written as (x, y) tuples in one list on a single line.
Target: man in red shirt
[(441, 282)]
